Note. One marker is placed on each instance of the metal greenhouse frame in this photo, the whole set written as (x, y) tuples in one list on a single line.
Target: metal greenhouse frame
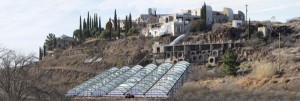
[(131, 82), (170, 82), (103, 82), (143, 86)]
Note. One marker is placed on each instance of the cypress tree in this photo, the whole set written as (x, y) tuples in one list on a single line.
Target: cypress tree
[(126, 26), (84, 25), (203, 13), (100, 29), (80, 25), (115, 21), (119, 29), (40, 54), (92, 24), (96, 21), (130, 22), (88, 21), (45, 53), (110, 28)]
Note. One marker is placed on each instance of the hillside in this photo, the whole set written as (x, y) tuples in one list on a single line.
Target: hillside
[(65, 71)]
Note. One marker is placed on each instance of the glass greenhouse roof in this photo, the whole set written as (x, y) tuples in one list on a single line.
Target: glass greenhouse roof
[(104, 81), (132, 81), (165, 84), (77, 90), (117, 81), (142, 87)]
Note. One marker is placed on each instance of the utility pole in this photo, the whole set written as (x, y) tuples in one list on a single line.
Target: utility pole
[(279, 51)]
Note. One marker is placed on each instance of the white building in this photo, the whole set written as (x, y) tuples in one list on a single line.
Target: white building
[(237, 23)]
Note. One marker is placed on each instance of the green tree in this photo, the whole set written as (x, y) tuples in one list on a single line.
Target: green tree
[(77, 34), (100, 28), (84, 24), (80, 26), (129, 21), (44, 48), (126, 26), (50, 41), (110, 28), (115, 21), (40, 54), (203, 13), (119, 29), (88, 21), (230, 63), (197, 25)]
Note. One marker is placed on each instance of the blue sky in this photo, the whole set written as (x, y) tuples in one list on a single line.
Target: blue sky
[(24, 24)]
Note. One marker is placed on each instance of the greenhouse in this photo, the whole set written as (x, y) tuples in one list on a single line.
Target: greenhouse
[(170, 82), (104, 81), (116, 82), (77, 90), (142, 87), (128, 84), (151, 81)]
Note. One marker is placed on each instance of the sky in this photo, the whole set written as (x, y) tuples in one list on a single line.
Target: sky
[(25, 24)]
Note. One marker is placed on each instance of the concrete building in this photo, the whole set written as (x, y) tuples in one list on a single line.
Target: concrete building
[(264, 30), (237, 23)]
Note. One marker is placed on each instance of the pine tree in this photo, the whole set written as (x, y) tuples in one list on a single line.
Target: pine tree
[(230, 63), (115, 21), (50, 42), (130, 22)]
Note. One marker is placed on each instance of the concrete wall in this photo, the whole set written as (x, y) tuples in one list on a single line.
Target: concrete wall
[(194, 53)]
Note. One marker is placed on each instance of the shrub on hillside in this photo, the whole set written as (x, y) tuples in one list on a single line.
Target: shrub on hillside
[(230, 63), (263, 69)]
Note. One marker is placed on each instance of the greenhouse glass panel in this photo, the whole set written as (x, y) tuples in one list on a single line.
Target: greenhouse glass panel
[(82, 87), (104, 81), (128, 84), (143, 86), (116, 82)]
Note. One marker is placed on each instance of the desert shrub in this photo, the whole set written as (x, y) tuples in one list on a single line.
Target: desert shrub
[(88, 51), (150, 42), (263, 69)]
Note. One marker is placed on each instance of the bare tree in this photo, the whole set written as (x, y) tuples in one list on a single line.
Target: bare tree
[(17, 81)]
